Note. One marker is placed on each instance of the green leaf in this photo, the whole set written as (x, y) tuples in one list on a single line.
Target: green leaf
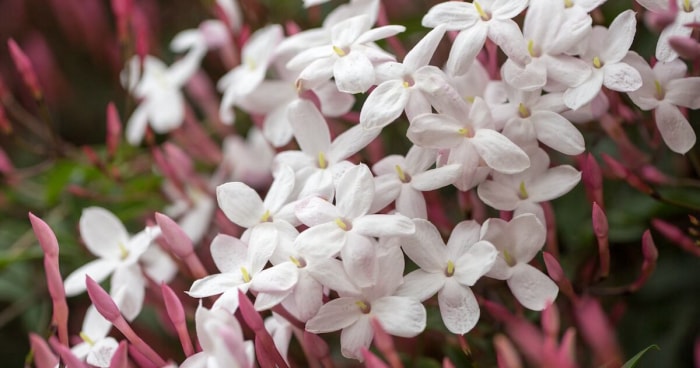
[(633, 362)]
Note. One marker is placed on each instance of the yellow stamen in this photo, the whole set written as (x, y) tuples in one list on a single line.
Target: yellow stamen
[(341, 224), (531, 48), (123, 252), (481, 11), (509, 258), (339, 51), (450, 269), (246, 275), (687, 6), (523, 111), (250, 63), (322, 163), (568, 3), (660, 94), (364, 307), (522, 191), (406, 84), (402, 175), (597, 63), (470, 99), (86, 338), (463, 131), (295, 261), (266, 216)]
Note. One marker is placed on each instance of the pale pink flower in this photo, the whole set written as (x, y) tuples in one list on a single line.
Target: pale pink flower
[(688, 12), (448, 270), (664, 88), (518, 242), (97, 348)]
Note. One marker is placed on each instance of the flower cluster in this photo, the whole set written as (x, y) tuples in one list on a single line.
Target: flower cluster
[(348, 237)]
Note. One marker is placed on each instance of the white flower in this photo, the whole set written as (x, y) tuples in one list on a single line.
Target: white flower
[(404, 179), (349, 58), (605, 49), (97, 348), (448, 270), (401, 85), (538, 183), (664, 88), (688, 12), (476, 21), (239, 263), (518, 241), (352, 312), (105, 236)]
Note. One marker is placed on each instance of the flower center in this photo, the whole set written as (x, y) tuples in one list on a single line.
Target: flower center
[(450, 270), (522, 192), (246, 275), (597, 63), (87, 338), (484, 15), (408, 81), (299, 262), (123, 252), (343, 224), (322, 163), (509, 258), (365, 307), (687, 6), (403, 176), (532, 50), (250, 63), (340, 51), (660, 93), (523, 111), (266, 217), (568, 4), (466, 132)]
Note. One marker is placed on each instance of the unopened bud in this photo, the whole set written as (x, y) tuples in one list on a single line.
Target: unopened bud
[(104, 303), (114, 129), (25, 68), (120, 359), (506, 354), (43, 355)]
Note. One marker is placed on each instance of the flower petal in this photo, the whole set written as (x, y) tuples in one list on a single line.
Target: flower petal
[(476, 262), (436, 178), (355, 192), (454, 15), (281, 277), (554, 183), (458, 307), (674, 128), (533, 289), (355, 337), (499, 152), (621, 77), (103, 233), (498, 195), (384, 105), (557, 132), (421, 285), (411, 203), (353, 73), (334, 315), (240, 203), (310, 128), (383, 225), (400, 316), (98, 270), (426, 247)]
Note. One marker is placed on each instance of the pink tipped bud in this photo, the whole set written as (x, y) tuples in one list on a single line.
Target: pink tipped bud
[(255, 322), (676, 236), (250, 315), (600, 222), (592, 178), (43, 355), (600, 228), (447, 363), (176, 313), (66, 354), (47, 239), (385, 344), (25, 68), (686, 47), (506, 355), (649, 248), (595, 329), (177, 239), (120, 359), (114, 129), (654, 175), (567, 348), (54, 281), (557, 274), (316, 345), (140, 358), (371, 360), (104, 303), (550, 321), (179, 161)]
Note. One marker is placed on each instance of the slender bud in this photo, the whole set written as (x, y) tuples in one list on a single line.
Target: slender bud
[(384, 343), (557, 274), (600, 228), (592, 178), (177, 239), (25, 68), (371, 360), (255, 322), (120, 359), (47, 239), (102, 301), (66, 354), (176, 313), (676, 236), (316, 345), (114, 129), (506, 354), (651, 254), (595, 329), (122, 13), (43, 355)]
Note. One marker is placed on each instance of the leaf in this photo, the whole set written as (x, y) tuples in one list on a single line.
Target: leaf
[(633, 362)]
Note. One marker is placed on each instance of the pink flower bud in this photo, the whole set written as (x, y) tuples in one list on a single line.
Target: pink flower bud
[(250, 315), (47, 239), (550, 321), (66, 355), (506, 355), (120, 359), (592, 178), (384, 343), (255, 322), (446, 363), (557, 274), (316, 345), (122, 13), (649, 264), (43, 355), (596, 331), (25, 68), (686, 47), (176, 313), (371, 360), (104, 303), (179, 161), (176, 238), (114, 129), (5, 126), (600, 228), (676, 236)]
